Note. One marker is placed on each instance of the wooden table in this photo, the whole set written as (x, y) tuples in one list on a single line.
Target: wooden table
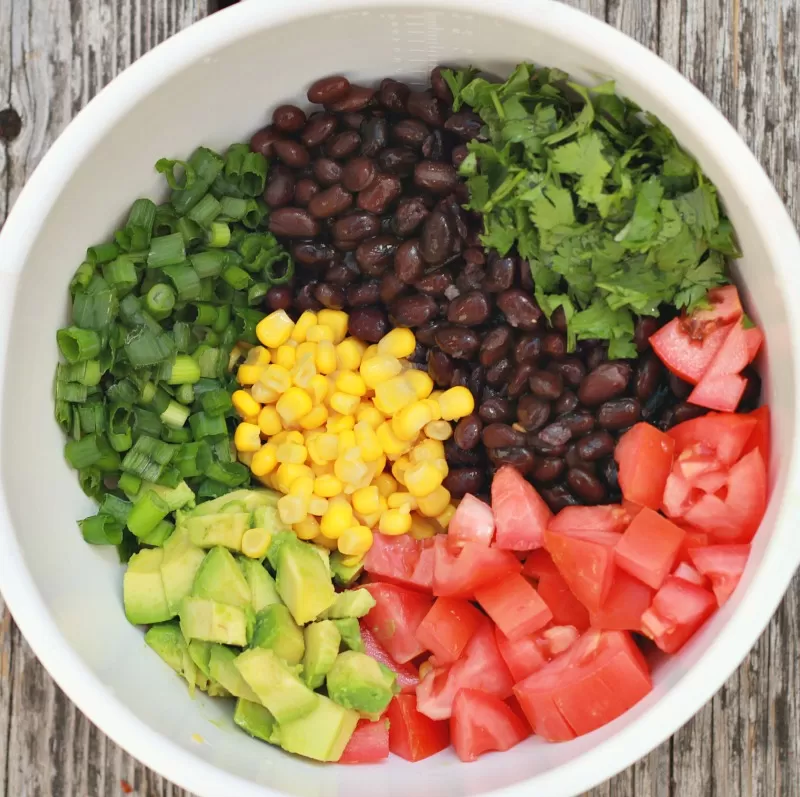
[(742, 53)]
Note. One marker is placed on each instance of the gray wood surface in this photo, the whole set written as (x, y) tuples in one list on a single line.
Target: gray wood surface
[(56, 54)]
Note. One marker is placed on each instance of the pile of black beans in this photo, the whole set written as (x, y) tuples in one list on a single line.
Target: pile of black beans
[(366, 195)]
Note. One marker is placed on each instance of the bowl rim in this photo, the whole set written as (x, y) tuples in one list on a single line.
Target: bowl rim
[(201, 40)]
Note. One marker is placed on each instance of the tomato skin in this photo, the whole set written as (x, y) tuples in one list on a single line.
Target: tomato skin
[(473, 521), (481, 723), (611, 517), (401, 560), (407, 674), (724, 435), (761, 433), (539, 563), (412, 735), (649, 547), (687, 358), (459, 572), (521, 515), (622, 610), (688, 573), (565, 607), (447, 628), (679, 608), (395, 618), (644, 455), (693, 539), (523, 656), (725, 308), (368, 744), (720, 392), (724, 565), (514, 605)]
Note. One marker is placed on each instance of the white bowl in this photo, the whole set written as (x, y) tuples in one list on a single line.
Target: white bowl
[(214, 84)]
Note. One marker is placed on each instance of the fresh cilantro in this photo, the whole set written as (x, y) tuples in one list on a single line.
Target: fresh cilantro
[(613, 217)]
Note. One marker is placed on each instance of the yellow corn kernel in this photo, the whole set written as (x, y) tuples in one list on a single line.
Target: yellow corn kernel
[(436, 410), (393, 394), (245, 404), (347, 440), (306, 349), (335, 320), (427, 451), (370, 352), (456, 403), (304, 371), (307, 528), (269, 421), (438, 430), (378, 369), (325, 358), (420, 382), (351, 383), (291, 452), (245, 457), (401, 499), (318, 333), (394, 522), (391, 444), (444, 519), (249, 374), (349, 353), (280, 438), (247, 437), (325, 543), (343, 402), (302, 487), (294, 404), (327, 486), (351, 469), (263, 394), (286, 356), (277, 378), (441, 465), (314, 419), (411, 419), (258, 355), (433, 504), (317, 505), (304, 323), (295, 437), (370, 415), (386, 484), (399, 468), (337, 519), (288, 473), (292, 509), (367, 442), (264, 460), (422, 529), (255, 542), (422, 479), (275, 329), (355, 541), (366, 500), (399, 342), (324, 448), (339, 423), (321, 470), (352, 561)]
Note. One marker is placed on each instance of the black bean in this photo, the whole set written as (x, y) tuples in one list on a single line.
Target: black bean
[(330, 202), (392, 94), (264, 140), (610, 473), (521, 459), (341, 273), (460, 377), (556, 434), (647, 377), (424, 106), (467, 433), (586, 485), (353, 120), (409, 132), (525, 276), (545, 449), (573, 459), (558, 320), (558, 497), (518, 383), (566, 402), (380, 194), (474, 255), (554, 344), (460, 456), (328, 89), (368, 323), (619, 413), (597, 354), (343, 144), (374, 136), (358, 98), (546, 385), (333, 297), (645, 327), (364, 293), (533, 412), (679, 388), (408, 262), (327, 171), (499, 274), (293, 223), (397, 160), (279, 297), (436, 241), (356, 226), (579, 422), (477, 382), (304, 190), (439, 86), (313, 253), (436, 283), (687, 412), (501, 435), (604, 382), (458, 155), (520, 310), (288, 118), (305, 299), (408, 215), (391, 287), (457, 342), (359, 173), (280, 186), (572, 370), (595, 446), (318, 129), (528, 348), (496, 410), (433, 146), (547, 469), (412, 311), (470, 309), (500, 372), (465, 124), (461, 481), (440, 368), (470, 278), (376, 254), (752, 391), (438, 178)]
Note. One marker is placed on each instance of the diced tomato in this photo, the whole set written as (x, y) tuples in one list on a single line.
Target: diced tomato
[(688, 573), (412, 735), (692, 539), (395, 618), (556, 639), (407, 674), (539, 563), (649, 547), (595, 681), (514, 705), (514, 605), (686, 357), (401, 560), (520, 513), (585, 561), (631, 508), (725, 308), (644, 455), (448, 627), (754, 337), (523, 656), (724, 435), (473, 521), (368, 744), (761, 433), (720, 392), (481, 723), (679, 609), (480, 667), (611, 517), (459, 571), (723, 564), (566, 608), (677, 496), (623, 608)]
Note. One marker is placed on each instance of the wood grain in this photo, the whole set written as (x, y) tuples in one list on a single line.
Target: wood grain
[(743, 54)]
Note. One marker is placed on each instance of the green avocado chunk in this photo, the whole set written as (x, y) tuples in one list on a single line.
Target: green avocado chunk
[(322, 642), (357, 681), (201, 655), (182, 560), (263, 591), (143, 590), (275, 629), (167, 640), (211, 621), (351, 633), (222, 667), (226, 529), (343, 575), (221, 579), (254, 719), (241, 500), (303, 581), (352, 603)]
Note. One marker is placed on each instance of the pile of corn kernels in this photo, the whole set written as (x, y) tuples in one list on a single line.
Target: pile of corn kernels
[(351, 434)]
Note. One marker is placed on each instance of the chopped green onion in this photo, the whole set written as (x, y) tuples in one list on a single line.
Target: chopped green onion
[(102, 253), (175, 415), (186, 281), (120, 434), (84, 452), (204, 425), (78, 344), (91, 482), (160, 301), (82, 278), (181, 334), (191, 232), (101, 529), (184, 369), (172, 435), (208, 264), (96, 307), (209, 488), (216, 402), (145, 422), (143, 214), (256, 213), (232, 208), (130, 310), (205, 211), (202, 314), (148, 511), (273, 273), (223, 318), (189, 461), (63, 413), (171, 477), (223, 293), (206, 165), (159, 535), (116, 507), (123, 392), (209, 361), (231, 474), (129, 484), (256, 292), (161, 400), (92, 417), (128, 547), (121, 274), (166, 166), (234, 160), (145, 347), (236, 277), (253, 174), (221, 450), (73, 392), (87, 372), (245, 324), (219, 235), (185, 393), (147, 458), (166, 221), (166, 250)]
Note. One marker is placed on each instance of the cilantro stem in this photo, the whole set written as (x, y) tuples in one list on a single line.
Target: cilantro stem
[(504, 189)]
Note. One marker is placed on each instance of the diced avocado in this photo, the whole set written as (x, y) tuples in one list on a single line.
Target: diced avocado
[(322, 735), (352, 603), (263, 591), (276, 684), (249, 499), (223, 671), (278, 541), (143, 591), (342, 574), (267, 517), (221, 579), (350, 632), (254, 719), (174, 497), (213, 622), (167, 640), (322, 641), (182, 560), (226, 529), (325, 555), (303, 582), (357, 681), (275, 629), (201, 654)]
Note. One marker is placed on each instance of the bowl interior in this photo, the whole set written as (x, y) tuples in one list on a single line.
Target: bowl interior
[(222, 94)]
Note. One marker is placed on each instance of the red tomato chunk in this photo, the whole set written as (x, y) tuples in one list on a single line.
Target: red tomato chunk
[(611, 517), (622, 610), (521, 515), (649, 548), (482, 723), (686, 357), (448, 627), (460, 570), (412, 735), (395, 618), (407, 674), (523, 656), (538, 564), (724, 435), (514, 605), (723, 564), (566, 608), (368, 744), (473, 521), (760, 437), (401, 560), (644, 455)]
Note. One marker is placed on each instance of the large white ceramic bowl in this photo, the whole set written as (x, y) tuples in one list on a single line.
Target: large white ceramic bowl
[(214, 84)]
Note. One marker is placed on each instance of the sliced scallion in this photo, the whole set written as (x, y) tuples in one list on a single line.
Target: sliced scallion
[(166, 250), (204, 425), (78, 344), (216, 402), (101, 529), (205, 166), (148, 511), (205, 211), (160, 301)]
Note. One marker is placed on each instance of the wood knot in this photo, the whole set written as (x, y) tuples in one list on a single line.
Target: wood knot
[(10, 124)]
